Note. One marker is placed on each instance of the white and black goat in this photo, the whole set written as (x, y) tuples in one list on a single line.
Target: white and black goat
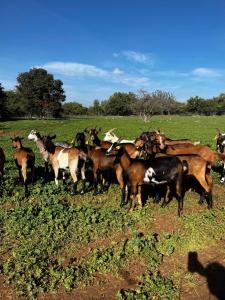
[(157, 171)]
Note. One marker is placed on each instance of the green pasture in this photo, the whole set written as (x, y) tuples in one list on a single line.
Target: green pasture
[(51, 240)]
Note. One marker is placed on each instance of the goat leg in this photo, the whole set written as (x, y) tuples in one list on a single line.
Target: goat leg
[(26, 189), (83, 189), (222, 179), (74, 189), (209, 200), (123, 197)]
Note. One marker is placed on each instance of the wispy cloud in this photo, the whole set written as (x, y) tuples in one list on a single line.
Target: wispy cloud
[(85, 70), (206, 72), (75, 69), (138, 57)]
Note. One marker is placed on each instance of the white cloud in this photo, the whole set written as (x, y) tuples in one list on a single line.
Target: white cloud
[(75, 69), (117, 71), (85, 70), (143, 58), (206, 72)]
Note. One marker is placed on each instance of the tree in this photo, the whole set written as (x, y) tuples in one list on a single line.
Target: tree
[(156, 103), (195, 105), (44, 95), (3, 111), (96, 109), (15, 104), (74, 109), (120, 104)]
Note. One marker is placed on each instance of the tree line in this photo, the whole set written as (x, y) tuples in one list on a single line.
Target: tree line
[(38, 95)]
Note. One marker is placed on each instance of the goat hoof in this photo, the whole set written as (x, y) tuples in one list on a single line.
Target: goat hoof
[(73, 193)]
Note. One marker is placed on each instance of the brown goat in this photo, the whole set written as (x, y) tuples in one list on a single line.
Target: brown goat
[(2, 162), (201, 150), (24, 159), (103, 167)]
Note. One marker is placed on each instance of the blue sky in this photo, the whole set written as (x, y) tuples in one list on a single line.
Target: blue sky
[(100, 47)]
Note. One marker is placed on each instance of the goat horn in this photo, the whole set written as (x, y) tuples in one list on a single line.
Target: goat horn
[(111, 130)]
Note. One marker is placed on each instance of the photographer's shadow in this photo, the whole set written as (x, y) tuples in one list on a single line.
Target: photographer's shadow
[(214, 273)]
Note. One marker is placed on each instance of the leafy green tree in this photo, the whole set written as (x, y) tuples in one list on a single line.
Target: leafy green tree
[(44, 95), (195, 105), (74, 109), (120, 104), (16, 105), (97, 108), (3, 111), (219, 103)]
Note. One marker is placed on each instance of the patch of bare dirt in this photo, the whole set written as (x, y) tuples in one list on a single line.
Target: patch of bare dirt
[(7, 292), (102, 286)]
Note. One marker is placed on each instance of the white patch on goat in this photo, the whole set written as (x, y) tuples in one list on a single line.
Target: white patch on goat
[(223, 143), (32, 136), (63, 159), (110, 149), (149, 174), (222, 179), (56, 181), (150, 177)]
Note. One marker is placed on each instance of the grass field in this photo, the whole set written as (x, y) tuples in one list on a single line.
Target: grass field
[(54, 246)]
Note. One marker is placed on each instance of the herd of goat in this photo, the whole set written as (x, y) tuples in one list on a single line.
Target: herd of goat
[(152, 162)]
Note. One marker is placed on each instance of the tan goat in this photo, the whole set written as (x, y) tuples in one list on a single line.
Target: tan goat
[(24, 159)]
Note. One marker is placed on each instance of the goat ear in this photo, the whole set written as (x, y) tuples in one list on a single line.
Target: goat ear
[(86, 130), (53, 137)]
